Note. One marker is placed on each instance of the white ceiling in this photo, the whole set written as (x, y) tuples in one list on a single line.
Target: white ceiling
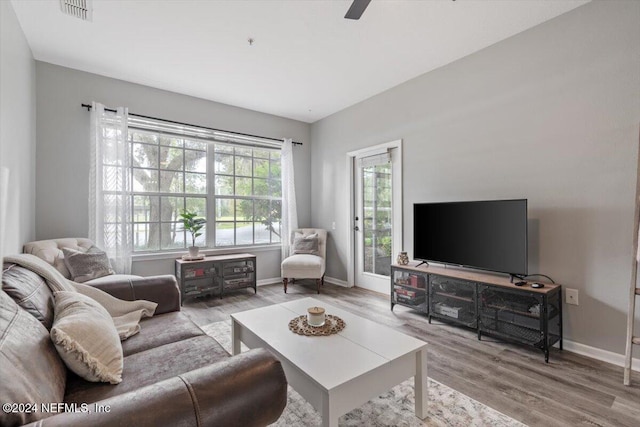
[(307, 61)]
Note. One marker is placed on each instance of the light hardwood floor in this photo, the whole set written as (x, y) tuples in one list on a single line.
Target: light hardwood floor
[(570, 390)]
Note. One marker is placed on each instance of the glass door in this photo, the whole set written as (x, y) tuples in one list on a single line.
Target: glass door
[(375, 220)]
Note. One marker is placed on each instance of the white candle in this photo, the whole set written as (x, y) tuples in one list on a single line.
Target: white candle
[(315, 316)]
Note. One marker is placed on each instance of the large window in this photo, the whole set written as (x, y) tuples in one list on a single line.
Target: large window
[(234, 185)]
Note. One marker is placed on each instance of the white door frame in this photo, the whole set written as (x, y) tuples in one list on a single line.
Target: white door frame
[(397, 241)]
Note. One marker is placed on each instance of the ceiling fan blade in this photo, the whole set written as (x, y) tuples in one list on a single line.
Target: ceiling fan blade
[(357, 9)]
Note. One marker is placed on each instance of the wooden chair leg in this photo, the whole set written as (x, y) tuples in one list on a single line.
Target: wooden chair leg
[(322, 283), (318, 284), (284, 282)]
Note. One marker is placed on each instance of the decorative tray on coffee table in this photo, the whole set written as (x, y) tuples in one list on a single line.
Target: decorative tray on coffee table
[(332, 325)]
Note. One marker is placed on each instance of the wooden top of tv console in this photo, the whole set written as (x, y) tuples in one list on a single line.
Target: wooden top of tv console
[(490, 278)]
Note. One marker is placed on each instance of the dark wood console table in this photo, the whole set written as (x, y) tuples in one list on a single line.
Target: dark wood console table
[(216, 275)]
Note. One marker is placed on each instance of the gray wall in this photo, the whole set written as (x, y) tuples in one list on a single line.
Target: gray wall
[(551, 115), (63, 147), (17, 129)]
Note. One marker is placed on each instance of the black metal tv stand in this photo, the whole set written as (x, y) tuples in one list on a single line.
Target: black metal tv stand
[(487, 303), (423, 262)]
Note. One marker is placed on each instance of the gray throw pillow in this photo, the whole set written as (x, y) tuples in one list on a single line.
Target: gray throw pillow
[(305, 245), (88, 265)]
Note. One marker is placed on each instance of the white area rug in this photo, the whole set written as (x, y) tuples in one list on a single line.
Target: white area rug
[(447, 407)]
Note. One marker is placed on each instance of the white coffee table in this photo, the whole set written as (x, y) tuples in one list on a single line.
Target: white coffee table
[(340, 372)]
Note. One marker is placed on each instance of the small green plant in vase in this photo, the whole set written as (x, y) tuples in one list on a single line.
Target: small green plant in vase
[(192, 223)]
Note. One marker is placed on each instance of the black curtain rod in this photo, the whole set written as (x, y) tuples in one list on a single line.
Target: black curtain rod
[(88, 107)]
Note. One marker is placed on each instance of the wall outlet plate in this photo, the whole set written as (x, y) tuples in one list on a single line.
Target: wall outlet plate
[(571, 296)]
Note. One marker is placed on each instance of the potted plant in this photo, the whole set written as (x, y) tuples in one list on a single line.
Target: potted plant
[(192, 223)]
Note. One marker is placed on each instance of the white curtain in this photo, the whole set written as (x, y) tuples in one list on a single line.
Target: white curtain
[(110, 186), (4, 188), (289, 207)]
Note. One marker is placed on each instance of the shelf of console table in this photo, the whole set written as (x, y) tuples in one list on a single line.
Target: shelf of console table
[(488, 303)]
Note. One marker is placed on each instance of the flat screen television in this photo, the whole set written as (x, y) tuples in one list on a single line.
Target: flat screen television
[(488, 235)]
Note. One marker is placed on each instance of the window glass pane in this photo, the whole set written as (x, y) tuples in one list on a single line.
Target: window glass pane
[(263, 154), (262, 210), (146, 237), (261, 168), (145, 180), (201, 241), (197, 205), (275, 155), (224, 185), (243, 166), (195, 161), (276, 168), (140, 136), (275, 188), (172, 235), (221, 148), (266, 218), (223, 164), (171, 182), (171, 158), (244, 210), (276, 209), (274, 220), (225, 210), (241, 151), (196, 183), (260, 187), (224, 233), (276, 232), (243, 186), (262, 233), (145, 156), (244, 233), (170, 208), (170, 141), (198, 145), (145, 208)]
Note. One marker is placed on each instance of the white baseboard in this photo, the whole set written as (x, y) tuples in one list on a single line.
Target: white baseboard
[(336, 281), (599, 354), (273, 281)]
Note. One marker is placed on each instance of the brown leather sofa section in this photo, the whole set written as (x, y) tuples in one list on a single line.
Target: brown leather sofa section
[(27, 356), (148, 367), (160, 330), (162, 289), (174, 374), (30, 291), (244, 391)]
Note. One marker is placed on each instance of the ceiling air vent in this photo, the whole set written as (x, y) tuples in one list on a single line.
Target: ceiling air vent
[(78, 8)]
